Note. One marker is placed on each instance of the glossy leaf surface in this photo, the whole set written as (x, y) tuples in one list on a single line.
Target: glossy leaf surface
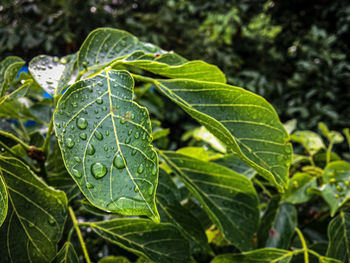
[(9, 68), (35, 218), (297, 191), (156, 241), (234, 163), (51, 73), (339, 237), (266, 255), (245, 122), (105, 140), (228, 198)]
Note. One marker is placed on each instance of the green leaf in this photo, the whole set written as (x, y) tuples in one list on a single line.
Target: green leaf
[(277, 225), (51, 73), (232, 162), (9, 68), (3, 200), (105, 141), (112, 259), (202, 134), (199, 153), (311, 141), (67, 254), (336, 190), (228, 198), (245, 122), (339, 237), (265, 255), (36, 215), (171, 211), (159, 242), (106, 45), (298, 186)]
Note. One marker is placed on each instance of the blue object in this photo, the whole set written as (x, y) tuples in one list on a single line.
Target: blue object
[(23, 69), (47, 95)]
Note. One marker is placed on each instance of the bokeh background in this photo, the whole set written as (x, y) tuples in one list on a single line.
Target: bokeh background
[(295, 53)]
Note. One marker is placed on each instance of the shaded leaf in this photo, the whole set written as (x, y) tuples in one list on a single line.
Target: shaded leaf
[(311, 141), (298, 186), (265, 255), (245, 122), (67, 254), (36, 215), (3, 200), (51, 73), (234, 163), (159, 242), (228, 198), (277, 225), (105, 141), (171, 211), (9, 68), (339, 237)]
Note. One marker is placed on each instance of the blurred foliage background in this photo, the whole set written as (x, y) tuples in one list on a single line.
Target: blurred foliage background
[(295, 53)]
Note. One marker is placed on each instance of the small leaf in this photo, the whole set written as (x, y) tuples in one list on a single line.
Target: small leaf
[(199, 153), (105, 141), (228, 198), (245, 122), (171, 211), (3, 200), (311, 141), (67, 254), (339, 237), (336, 190), (36, 215), (298, 186), (51, 73), (265, 255), (159, 242), (277, 225), (9, 68)]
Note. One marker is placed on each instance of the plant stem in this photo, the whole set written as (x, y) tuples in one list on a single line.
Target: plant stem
[(303, 242), (47, 139), (76, 226), (16, 139), (263, 187), (25, 134), (328, 154)]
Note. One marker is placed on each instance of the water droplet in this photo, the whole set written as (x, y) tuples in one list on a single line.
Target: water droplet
[(30, 224), (51, 221), (106, 148), (122, 121), (76, 173), (70, 143), (132, 116), (154, 170), (107, 133), (98, 135), (98, 170), (137, 135), (63, 60), (127, 140), (89, 185), (90, 149), (140, 169), (153, 155), (74, 104), (104, 108), (133, 152), (99, 101), (144, 135), (130, 132), (83, 135), (119, 161), (61, 112), (82, 123), (58, 125), (136, 189), (77, 159)]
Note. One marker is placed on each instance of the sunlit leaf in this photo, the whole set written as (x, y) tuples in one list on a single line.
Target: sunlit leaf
[(228, 198), (160, 242), (311, 141), (35, 218), (105, 140), (245, 122), (9, 68), (234, 163), (3, 200)]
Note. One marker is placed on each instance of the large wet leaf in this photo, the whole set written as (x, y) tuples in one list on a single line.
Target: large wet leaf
[(105, 140), (245, 122), (67, 254), (336, 190), (3, 200), (171, 211), (339, 237), (106, 45), (51, 73), (159, 242), (35, 218), (277, 225), (228, 198), (9, 68), (266, 255)]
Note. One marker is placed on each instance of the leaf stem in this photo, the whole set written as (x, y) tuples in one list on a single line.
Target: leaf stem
[(47, 139), (25, 134), (76, 226), (303, 242), (260, 184), (328, 154), (16, 139)]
